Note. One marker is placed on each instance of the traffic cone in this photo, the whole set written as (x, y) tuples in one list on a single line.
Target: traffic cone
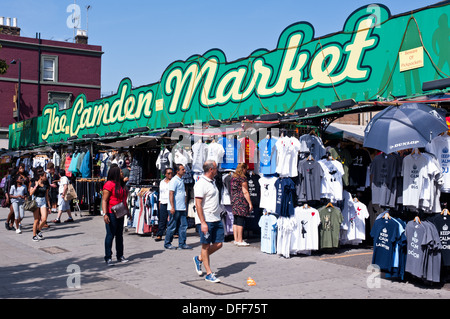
[(251, 282)]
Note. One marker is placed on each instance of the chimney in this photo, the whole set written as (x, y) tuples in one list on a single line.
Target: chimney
[(6, 27), (81, 37)]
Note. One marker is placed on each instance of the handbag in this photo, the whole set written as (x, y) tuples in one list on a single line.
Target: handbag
[(29, 205), (120, 210), (71, 193)]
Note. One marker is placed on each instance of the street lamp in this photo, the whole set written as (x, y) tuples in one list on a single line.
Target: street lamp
[(18, 91)]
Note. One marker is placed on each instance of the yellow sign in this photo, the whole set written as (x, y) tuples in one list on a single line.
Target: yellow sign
[(411, 59)]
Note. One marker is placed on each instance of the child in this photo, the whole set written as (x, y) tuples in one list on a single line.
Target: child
[(17, 193)]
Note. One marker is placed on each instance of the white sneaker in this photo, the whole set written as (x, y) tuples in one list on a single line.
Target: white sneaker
[(243, 244), (18, 231)]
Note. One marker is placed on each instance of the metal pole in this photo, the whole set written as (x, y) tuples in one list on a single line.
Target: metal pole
[(19, 92)]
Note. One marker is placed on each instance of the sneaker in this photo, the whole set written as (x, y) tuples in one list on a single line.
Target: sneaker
[(40, 236), (198, 266), (212, 278), (57, 221), (243, 244), (184, 247), (122, 260), (69, 220), (109, 262), (35, 238), (18, 231), (170, 246)]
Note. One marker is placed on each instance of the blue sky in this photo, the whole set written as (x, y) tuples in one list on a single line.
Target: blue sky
[(142, 38)]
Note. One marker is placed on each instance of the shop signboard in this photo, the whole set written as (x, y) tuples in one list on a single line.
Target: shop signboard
[(361, 62)]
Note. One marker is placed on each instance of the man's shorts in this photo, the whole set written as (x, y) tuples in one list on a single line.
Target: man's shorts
[(216, 233)]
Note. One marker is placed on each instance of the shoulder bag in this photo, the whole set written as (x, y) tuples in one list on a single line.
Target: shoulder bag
[(30, 204), (120, 210)]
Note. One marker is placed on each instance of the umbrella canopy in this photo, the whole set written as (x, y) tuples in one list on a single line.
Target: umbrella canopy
[(402, 127)]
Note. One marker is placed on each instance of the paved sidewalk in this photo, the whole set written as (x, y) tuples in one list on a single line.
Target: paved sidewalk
[(45, 269)]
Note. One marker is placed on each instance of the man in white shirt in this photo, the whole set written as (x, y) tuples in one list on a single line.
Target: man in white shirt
[(163, 201), (208, 210)]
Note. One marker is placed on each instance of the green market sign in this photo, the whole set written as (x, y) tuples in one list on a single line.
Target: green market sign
[(360, 62)]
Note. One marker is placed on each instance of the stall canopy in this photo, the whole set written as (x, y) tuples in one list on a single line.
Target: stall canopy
[(136, 140), (353, 133)]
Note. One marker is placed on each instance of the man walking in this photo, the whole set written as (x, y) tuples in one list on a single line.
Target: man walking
[(177, 209), (208, 210)]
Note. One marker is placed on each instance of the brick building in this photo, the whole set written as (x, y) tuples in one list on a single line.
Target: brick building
[(50, 72)]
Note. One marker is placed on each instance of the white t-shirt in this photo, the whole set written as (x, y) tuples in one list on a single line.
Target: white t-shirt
[(332, 186), (414, 170), (357, 223), (306, 237), (440, 147), (200, 152), (63, 181), (206, 189), (287, 156), (164, 192), (268, 193), (215, 152)]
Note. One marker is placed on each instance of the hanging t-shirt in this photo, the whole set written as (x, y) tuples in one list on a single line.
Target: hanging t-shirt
[(358, 214), (247, 153), (254, 190), (268, 193), (312, 144), (358, 168), (440, 147), (330, 220), (307, 235), (231, 147), (164, 160), (332, 187), (384, 170), (345, 158), (287, 156), (285, 189), (268, 224), (215, 152), (385, 233), (200, 154), (442, 224), (416, 237), (414, 172), (311, 174), (267, 156)]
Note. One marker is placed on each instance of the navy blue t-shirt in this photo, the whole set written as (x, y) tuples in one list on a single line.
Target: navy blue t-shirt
[(385, 233), (285, 188)]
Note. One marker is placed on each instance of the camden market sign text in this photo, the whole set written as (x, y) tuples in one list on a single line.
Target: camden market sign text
[(361, 62)]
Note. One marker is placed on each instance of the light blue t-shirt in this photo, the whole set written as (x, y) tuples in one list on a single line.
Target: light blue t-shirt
[(267, 156), (268, 224), (179, 197), (230, 158)]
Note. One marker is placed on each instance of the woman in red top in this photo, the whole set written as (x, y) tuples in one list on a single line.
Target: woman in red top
[(113, 194)]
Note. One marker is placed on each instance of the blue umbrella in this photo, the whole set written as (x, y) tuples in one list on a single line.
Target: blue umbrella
[(410, 125)]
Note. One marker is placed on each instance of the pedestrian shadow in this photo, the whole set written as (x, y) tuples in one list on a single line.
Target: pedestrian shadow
[(234, 268), (145, 255)]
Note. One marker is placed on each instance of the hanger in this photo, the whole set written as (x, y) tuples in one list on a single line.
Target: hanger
[(329, 205), (417, 220), (416, 150), (305, 206), (386, 215), (444, 212)]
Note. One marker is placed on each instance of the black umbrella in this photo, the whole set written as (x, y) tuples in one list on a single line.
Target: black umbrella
[(410, 125)]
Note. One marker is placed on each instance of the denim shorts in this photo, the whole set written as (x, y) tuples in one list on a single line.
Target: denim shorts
[(216, 233), (41, 202)]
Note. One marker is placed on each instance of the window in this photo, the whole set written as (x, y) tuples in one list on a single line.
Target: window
[(49, 68), (61, 98)]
